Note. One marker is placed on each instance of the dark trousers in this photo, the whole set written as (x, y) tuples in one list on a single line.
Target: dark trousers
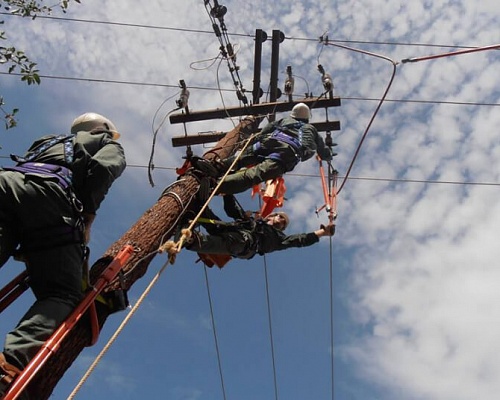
[(32, 204), (237, 243), (267, 159)]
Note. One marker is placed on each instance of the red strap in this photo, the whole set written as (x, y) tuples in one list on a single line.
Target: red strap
[(273, 197), (215, 259)]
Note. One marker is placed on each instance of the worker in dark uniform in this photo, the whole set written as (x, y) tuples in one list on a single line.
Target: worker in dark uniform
[(48, 202), (247, 237), (279, 147)]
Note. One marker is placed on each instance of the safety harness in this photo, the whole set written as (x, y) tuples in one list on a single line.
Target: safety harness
[(284, 134), (45, 145), (61, 235), (293, 141), (62, 174)]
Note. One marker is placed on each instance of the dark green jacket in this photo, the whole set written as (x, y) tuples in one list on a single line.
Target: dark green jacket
[(244, 238), (271, 239), (98, 161)]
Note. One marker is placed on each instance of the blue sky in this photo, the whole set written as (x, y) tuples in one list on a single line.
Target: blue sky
[(415, 258)]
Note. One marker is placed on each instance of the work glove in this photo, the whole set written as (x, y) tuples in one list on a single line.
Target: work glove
[(329, 229)]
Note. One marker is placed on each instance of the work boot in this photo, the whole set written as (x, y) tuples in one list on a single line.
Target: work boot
[(254, 127), (8, 373), (211, 168)]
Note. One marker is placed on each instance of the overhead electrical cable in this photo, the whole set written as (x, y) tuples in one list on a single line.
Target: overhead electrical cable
[(248, 35), (219, 89), (353, 178)]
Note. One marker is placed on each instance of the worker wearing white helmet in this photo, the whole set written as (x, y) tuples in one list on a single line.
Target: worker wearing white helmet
[(48, 201), (301, 112), (92, 121), (280, 146)]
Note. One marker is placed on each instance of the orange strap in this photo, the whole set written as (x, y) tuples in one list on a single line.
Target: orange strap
[(329, 190), (273, 196)]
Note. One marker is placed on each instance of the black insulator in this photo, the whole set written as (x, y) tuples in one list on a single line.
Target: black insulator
[(257, 94), (241, 97), (217, 30), (230, 51), (329, 141), (218, 11)]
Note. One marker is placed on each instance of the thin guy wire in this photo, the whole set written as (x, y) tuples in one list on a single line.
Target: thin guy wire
[(270, 329), (331, 320), (215, 332), (269, 319)]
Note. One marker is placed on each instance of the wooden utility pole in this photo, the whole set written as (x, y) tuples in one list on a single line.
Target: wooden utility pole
[(153, 229)]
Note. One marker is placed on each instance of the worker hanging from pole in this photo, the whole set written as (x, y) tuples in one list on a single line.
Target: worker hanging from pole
[(246, 236)]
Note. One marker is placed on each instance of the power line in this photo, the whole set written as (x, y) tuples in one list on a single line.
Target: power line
[(455, 103), (146, 26), (176, 86), (353, 178), (361, 178)]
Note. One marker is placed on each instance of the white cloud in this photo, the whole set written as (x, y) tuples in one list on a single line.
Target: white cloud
[(422, 257)]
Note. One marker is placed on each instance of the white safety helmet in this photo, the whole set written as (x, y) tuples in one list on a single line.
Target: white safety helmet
[(301, 111), (90, 121)]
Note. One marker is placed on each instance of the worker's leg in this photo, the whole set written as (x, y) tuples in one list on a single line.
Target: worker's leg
[(8, 242), (247, 178), (9, 201), (244, 160), (54, 262), (232, 243), (56, 280)]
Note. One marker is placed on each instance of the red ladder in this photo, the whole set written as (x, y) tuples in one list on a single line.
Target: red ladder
[(54, 342)]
